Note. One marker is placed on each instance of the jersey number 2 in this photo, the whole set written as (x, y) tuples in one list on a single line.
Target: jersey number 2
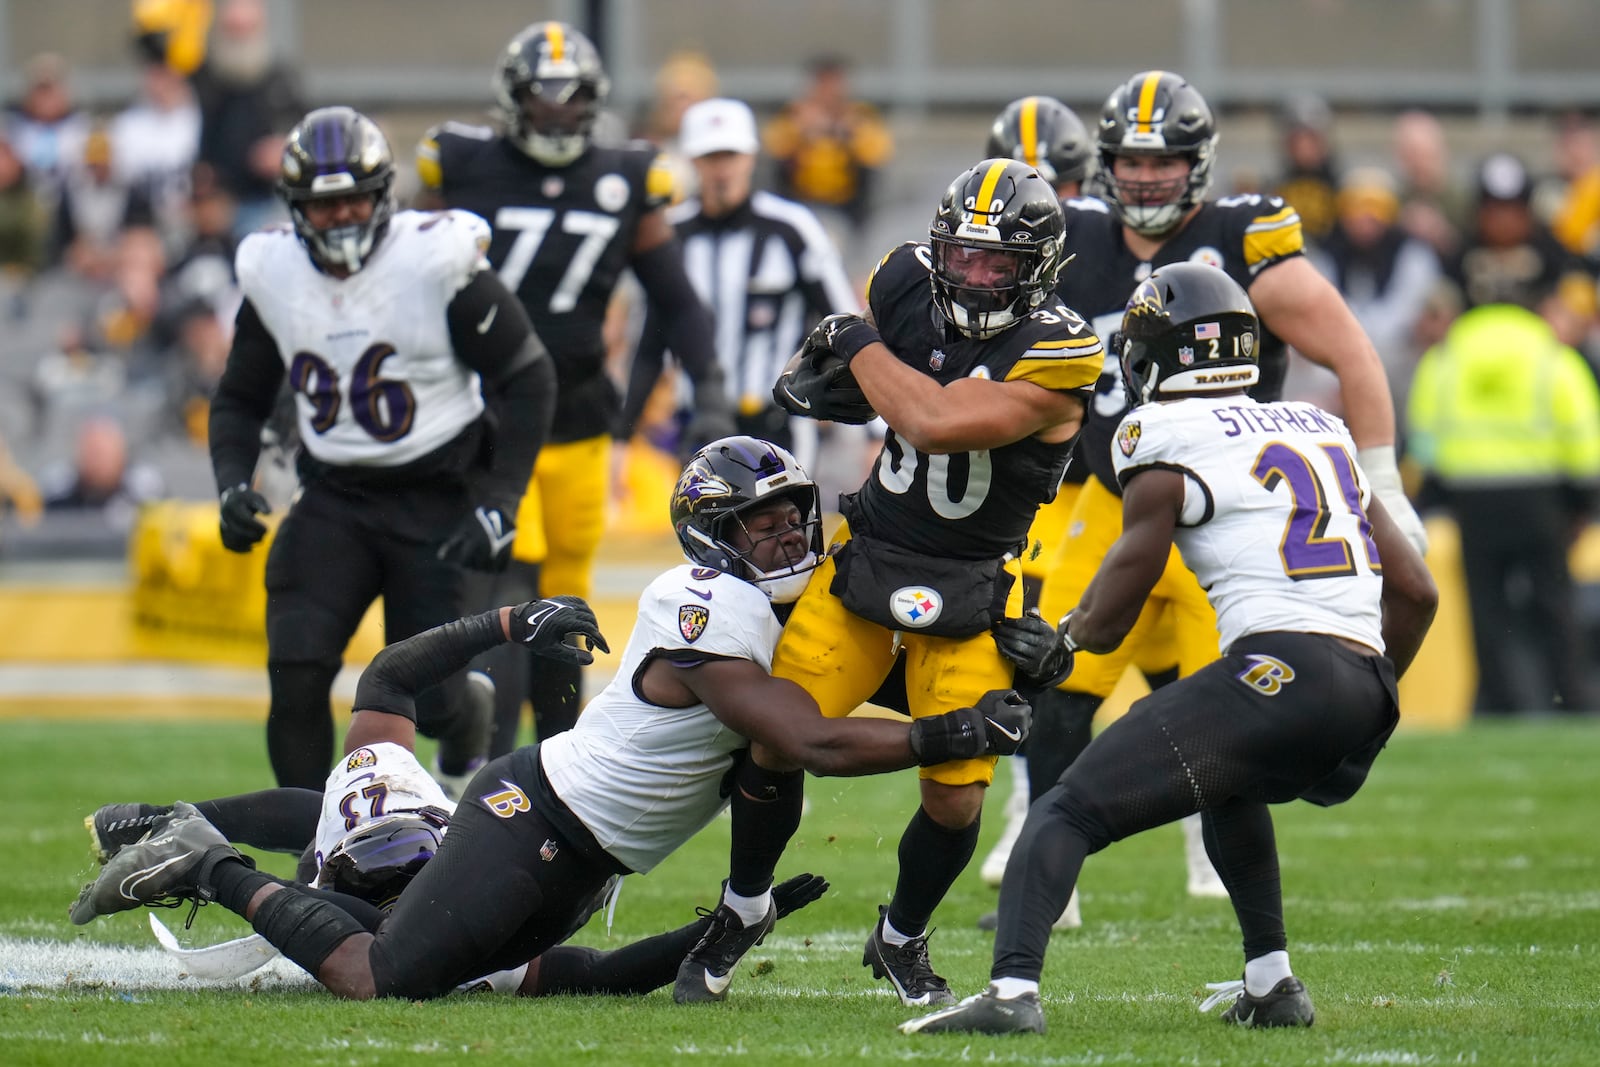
[(531, 224), (1306, 549)]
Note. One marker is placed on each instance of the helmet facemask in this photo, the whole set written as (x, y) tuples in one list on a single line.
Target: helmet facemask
[(555, 119), (346, 247), (984, 288), (1155, 208)]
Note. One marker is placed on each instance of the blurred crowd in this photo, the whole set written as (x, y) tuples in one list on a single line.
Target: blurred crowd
[(117, 231)]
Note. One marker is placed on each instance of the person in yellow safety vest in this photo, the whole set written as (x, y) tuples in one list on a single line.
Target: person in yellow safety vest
[(1506, 420)]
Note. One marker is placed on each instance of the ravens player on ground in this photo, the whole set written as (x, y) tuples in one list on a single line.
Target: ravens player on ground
[(568, 216), (402, 350), (1157, 143), (982, 377)]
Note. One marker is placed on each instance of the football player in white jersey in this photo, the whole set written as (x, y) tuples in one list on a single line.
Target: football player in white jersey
[(540, 830), (423, 398), (1321, 601), (383, 818)]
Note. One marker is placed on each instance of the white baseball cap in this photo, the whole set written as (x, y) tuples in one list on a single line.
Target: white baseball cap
[(718, 125)]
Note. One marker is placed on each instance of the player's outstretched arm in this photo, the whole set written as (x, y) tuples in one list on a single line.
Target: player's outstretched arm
[(1151, 503), (385, 704), (1409, 595), (783, 718)]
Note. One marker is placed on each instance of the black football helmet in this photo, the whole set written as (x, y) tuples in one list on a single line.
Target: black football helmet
[(337, 152), (725, 480), (996, 246), (1156, 113), (1188, 328), (377, 861), (548, 91), (1047, 135)]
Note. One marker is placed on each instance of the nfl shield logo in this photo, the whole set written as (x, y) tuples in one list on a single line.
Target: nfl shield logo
[(936, 359), (1186, 355), (548, 850), (1128, 437), (692, 620)]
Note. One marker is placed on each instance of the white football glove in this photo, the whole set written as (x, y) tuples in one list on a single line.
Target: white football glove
[(1384, 477)]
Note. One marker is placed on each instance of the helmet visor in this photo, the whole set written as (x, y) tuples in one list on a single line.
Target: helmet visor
[(980, 279)]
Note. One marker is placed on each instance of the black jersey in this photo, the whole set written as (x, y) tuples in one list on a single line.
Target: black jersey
[(561, 238), (968, 505), (1241, 234)]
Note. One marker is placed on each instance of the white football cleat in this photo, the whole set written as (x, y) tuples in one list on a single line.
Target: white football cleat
[(1203, 878)]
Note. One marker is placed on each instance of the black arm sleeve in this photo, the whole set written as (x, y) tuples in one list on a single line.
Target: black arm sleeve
[(397, 674), (686, 325), (244, 400), (648, 361), (491, 334)]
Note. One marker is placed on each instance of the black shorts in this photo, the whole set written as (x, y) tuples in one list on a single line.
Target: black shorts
[(1281, 716), (339, 549), (505, 885)]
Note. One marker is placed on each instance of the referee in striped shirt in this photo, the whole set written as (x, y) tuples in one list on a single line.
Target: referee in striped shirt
[(764, 267)]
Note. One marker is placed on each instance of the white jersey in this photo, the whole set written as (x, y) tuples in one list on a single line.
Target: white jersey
[(369, 357), (1274, 519), (642, 778), (370, 783)]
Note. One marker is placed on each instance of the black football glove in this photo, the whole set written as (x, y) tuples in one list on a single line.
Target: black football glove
[(481, 540), (816, 383), (240, 527), (996, 727), (1043, 660), (795, 893), (544, 626), (844, 335)]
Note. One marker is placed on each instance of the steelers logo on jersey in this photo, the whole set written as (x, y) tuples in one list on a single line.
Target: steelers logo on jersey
[(611, 192), (1207, 255), (361, 757), (1128, 437), (692, 619), (916, 606)]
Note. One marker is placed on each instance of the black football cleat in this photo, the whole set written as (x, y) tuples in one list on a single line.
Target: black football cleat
[(113, 827), (158, 869), (907, 967), (1287, 1004), (707, 971)]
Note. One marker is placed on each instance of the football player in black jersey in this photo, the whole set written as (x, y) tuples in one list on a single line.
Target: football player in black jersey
[(1157, 143), (402, 350), (982, 377), (568, 216)]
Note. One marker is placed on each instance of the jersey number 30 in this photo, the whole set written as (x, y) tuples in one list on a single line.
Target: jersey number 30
[(1307, 549)]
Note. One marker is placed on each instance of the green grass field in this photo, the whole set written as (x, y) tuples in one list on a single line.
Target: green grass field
[(1449, 914)]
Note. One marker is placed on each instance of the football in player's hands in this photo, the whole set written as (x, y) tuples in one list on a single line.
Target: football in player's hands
[(792, 894), (817, 384), (560, 627)]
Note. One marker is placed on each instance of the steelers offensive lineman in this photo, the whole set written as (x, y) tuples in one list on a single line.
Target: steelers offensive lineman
[(539, 831), (568, 215), (1157, 144), (422, 397), (982, 377), (1322, 603)]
